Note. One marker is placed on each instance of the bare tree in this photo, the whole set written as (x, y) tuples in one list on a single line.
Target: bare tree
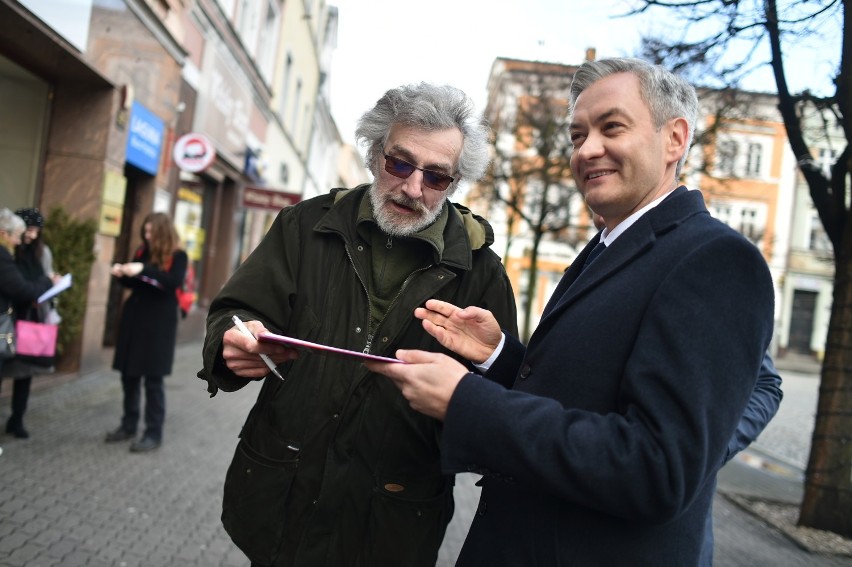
[(530, 177), (727, 40)]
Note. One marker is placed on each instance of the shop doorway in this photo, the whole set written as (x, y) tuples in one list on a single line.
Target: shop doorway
[(802, 322)]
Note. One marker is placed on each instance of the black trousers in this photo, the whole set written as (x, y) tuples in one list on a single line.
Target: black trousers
[(155, 405), (20, 397)]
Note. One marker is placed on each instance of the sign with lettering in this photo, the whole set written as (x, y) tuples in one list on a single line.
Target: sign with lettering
[(257, 198), (225, 102), (145, 140), (194, 152)]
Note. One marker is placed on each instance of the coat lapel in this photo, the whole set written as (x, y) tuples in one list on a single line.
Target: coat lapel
[(627, 248)]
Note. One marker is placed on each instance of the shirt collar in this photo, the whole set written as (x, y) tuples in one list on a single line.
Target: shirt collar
[(608, 237)]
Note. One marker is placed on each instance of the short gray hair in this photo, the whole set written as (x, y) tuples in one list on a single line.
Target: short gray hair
[(10, 222), (430, 107), (666, 94)]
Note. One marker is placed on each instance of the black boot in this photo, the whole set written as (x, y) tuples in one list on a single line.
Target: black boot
[(16, 428), (20, 395)]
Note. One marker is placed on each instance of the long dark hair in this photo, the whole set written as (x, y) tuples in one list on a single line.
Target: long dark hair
[(164, 239), (35, 249)]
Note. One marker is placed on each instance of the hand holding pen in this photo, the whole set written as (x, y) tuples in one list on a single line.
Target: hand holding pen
[(245, 359)]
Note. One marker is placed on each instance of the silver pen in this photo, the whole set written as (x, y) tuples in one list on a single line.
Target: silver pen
[(245, 330)]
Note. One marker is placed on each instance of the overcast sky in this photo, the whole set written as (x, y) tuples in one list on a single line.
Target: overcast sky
[(386, 43)]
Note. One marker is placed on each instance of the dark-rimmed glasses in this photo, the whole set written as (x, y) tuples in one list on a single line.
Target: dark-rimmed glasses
[(431, 179)]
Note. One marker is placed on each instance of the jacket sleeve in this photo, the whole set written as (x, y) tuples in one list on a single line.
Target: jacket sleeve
[(15, 287), (505, 368), (261, 289), (171, 279), (761, 408), (47, 260)]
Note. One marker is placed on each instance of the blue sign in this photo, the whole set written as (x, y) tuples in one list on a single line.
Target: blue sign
[(145, 141)]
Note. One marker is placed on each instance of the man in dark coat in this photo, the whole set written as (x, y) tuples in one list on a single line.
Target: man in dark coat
[(333, 468), (600, 440)]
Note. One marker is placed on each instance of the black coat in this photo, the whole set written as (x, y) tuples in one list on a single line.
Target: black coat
[(605, 447), (14, 288), (33, 269), (148, 328)]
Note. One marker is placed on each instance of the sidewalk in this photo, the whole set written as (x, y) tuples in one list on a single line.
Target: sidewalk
[(69, 499)]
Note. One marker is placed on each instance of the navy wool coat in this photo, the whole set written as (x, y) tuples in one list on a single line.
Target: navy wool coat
[(600, 441)]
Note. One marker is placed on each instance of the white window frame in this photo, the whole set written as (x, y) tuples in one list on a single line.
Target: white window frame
[(754, 159)]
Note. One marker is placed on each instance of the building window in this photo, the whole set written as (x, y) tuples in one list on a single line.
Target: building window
[(285, 85), (726, 157), (268, 40), (721, 211), (817, 238), (523, 291), (748, 224), (249, 23), (754, 158), (294, 120)]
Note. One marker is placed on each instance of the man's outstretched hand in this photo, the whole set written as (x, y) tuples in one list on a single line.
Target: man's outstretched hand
[(471, 332)]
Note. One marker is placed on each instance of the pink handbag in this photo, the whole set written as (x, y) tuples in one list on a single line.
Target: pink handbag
[(35, 339)]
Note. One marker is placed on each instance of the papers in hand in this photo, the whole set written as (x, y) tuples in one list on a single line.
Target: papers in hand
[(58, 288), (320, 349)]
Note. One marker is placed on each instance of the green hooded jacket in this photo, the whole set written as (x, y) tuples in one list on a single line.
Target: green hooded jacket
[(333, 467)]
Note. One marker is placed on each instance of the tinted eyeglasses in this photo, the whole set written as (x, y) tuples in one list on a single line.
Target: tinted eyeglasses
[(403, 170)]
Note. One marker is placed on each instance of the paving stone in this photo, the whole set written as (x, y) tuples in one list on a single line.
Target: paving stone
[(11, 542), (26, 554)]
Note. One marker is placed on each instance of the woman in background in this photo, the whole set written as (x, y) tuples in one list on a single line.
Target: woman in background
[(14, 287), (148, 329), (35, 260)]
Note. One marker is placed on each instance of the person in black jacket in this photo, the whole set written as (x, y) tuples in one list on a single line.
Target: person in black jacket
[(14, 287), (333, 467), (35, 261), (148, 329)]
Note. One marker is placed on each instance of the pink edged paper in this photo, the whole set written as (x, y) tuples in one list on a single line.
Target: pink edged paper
[(320, 349)]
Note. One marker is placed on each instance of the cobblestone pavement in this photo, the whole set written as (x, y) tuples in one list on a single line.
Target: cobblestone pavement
[(788, 435), (69, 499)]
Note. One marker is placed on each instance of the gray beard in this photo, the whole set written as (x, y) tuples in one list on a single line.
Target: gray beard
[(392, 224)]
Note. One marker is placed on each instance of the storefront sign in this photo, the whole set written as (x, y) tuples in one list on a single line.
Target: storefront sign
[(145, 140), (255, 197), (194, 152), (225, 102), (112, 203), (110, 221)]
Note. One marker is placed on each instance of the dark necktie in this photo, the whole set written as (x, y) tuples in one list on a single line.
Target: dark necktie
[(596, 251)]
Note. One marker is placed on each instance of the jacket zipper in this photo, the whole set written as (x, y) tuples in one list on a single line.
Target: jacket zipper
[(392, 303), (370, 333), (369, 303)]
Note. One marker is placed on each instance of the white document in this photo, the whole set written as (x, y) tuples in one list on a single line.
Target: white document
[(63, 284)]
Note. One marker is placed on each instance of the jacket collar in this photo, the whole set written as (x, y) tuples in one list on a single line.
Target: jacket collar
[(464, 231), (675, 209)]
